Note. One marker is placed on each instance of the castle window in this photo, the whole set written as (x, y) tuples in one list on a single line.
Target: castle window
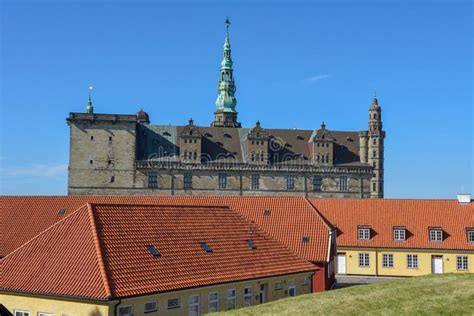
[(185, 141), (188, 181), (374, 187), (255, 181), (222, 181), (374, 163), (375, 141), (110, 138), (91, 161), (262, 157), (195, 155), (343, 183), (317, 145), (252, 156), (374, 153), (317, 159), (317, 181), (290, 183), (92, 137), (152, 180), (112, 179)]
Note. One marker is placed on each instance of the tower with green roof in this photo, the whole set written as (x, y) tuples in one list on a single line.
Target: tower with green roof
[(226, 115)]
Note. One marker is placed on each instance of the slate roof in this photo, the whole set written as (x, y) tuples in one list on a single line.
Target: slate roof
[(382, 215), (221, 144), (292, 217), (100, 252)]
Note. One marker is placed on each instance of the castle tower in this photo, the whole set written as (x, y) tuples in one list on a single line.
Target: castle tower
[(375, 148), (226, 115)]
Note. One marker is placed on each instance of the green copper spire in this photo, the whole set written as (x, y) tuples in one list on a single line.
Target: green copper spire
[(226, 100), (90, 107)]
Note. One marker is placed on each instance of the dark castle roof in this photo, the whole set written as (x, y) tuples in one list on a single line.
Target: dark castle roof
[(161, 142)]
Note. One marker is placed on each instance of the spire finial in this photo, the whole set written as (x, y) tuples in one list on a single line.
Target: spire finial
[(90, 106), (227, 24)]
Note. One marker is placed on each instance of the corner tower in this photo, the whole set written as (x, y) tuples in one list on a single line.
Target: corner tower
[(375, 146), (226, 115)]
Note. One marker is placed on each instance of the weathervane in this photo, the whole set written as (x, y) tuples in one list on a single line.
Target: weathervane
[(227, 23)]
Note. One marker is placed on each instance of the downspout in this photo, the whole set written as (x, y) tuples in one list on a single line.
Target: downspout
[(116, 307), (376, 262)]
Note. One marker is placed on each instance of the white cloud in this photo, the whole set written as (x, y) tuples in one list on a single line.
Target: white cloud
[(39, 170), (316, 78)]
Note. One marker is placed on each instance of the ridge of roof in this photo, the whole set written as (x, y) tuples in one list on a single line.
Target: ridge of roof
[(98, 250), (327, 223)]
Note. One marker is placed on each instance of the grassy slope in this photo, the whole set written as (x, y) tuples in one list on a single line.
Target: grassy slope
[(448, 294)]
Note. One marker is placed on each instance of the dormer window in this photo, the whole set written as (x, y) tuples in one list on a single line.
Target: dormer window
[(436, 234), (363, 233), (470, 235), (399, 234)]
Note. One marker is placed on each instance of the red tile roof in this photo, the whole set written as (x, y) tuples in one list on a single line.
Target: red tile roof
[(99, 251), (382, 215), (291, 217)]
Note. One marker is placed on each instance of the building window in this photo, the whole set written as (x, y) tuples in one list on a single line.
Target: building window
[(173, 303), (92, 137), (470, 235), (194, 305), (278, 285), (152, 180), (387, 260), (213, 302), (112, 179), (248, 296), (21, 313), (375, 141), (188, 181), (363, 233), (399, 234), (222, 181), (364, 259), (343, 183), (151, 306), (255, 182), (317, 181), (231, 299), (290, 183), (462, 263), (436, 235), (124, 310), (374, 187), (412, 261)]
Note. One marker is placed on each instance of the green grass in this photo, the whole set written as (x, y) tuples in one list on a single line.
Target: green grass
[(448, 294)]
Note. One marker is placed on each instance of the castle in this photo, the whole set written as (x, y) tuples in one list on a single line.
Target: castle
[(115, 154)]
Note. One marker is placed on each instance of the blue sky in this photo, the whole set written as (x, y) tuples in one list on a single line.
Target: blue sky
[(296, 64)]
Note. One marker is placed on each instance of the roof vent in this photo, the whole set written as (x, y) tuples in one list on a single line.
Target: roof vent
[(207, 135), (267, 212), (166, 133), (305, 239), (62, 211), (299, 137), (227, 135), (464, 198), (251, 244), (151, 249), (205, 247), (349, 139)]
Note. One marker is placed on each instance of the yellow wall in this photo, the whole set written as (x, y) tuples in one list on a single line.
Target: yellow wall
[(64, 307), (139, 302), (400, 261), (59, 307)]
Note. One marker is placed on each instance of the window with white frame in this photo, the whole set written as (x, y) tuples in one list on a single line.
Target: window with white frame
[(248, 296), (278, 285), (222, 181), (387, 260), (343, 183), (436, 235), (150, 307), (193, 305), (21, 313), (126, 310), (213, 302), (364, 259), (231, 299), (173, 303), (470, 235), (363, 233), (399, 233), (462, 263), (412, 261)]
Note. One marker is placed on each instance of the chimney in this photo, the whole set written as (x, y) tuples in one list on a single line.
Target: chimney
[(464, 198)]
